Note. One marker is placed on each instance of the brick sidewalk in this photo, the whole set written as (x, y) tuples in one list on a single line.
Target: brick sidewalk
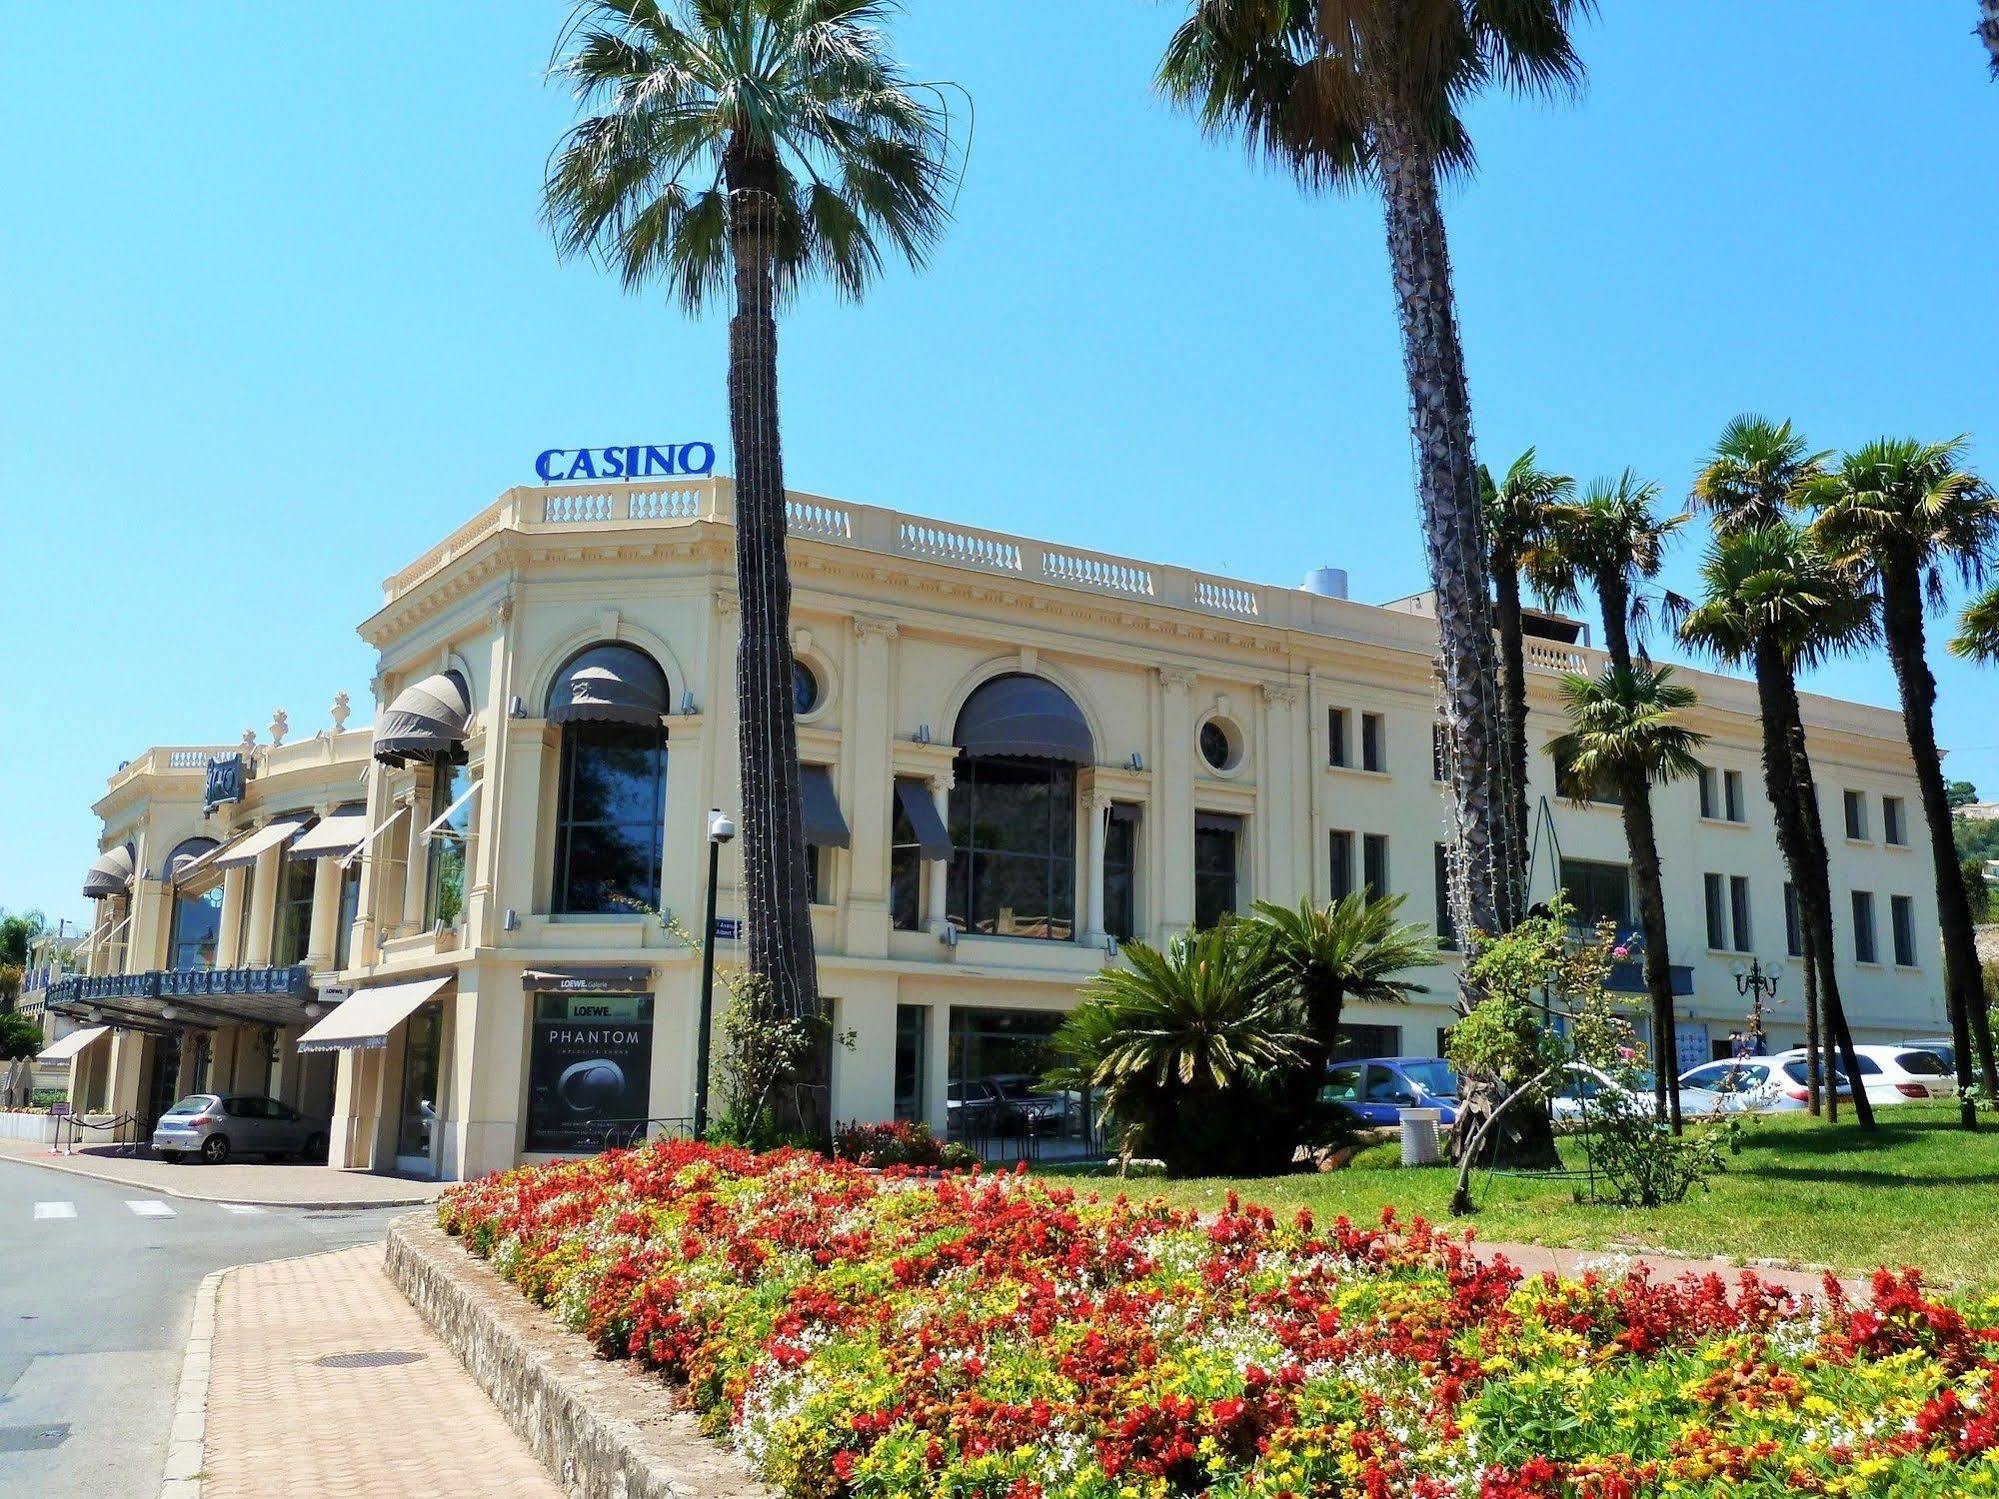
[(273, 1184), (410, 1422)]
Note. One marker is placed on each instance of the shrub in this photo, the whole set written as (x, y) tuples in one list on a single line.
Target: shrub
[(899, 1142)]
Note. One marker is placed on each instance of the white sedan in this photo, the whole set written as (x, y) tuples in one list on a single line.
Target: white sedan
[(1583, 1084), (1752, 1085)]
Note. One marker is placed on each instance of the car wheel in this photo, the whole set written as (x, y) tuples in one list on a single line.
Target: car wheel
[(315, 1148), (215, 1149)]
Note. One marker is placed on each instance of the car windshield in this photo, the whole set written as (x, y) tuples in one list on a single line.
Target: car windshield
[(1434, 1077), (194, 1103), (1921, 1064), (1795, 1071), (1014, 1087)]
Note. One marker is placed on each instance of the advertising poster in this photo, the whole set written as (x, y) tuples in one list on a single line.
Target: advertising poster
[(590, 1065)]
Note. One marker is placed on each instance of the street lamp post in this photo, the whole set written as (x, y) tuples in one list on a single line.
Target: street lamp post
[(1759, 985), (720, 831)]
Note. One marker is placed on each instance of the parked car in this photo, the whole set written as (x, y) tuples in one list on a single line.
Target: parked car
[(1004, 1103), (1895, 1074), (1375, 1090), (216, 1126), (1942, 1047), (1750, 1085), (1583, 1084)]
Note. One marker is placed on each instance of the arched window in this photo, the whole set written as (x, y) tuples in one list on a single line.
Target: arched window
[(1013, 809), (611, 799), (196, 922)]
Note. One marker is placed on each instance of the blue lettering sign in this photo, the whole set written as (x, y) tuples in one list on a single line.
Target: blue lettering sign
[(633, 461)]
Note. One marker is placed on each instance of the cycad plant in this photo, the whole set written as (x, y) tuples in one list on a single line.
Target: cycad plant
[(1370, 93), (1772, 598), (733, 151), (1625, 729), (1905, 515)]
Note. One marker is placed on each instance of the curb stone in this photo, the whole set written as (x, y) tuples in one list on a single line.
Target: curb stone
[(187, 1437), (140, 1183)]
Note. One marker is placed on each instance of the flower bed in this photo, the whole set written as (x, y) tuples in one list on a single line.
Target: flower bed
[(855, 1332)]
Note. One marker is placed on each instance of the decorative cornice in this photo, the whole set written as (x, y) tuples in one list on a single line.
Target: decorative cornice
[(1178, 678), (874, 627)]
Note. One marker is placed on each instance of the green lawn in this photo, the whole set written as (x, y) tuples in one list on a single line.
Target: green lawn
[(1918, 1192)]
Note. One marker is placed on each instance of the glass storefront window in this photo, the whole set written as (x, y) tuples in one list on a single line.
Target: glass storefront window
[(589, 1070), (350, 908), (1215, 839), (905, 873), (423, 1046), (1013, 848), (444, 885), (609, 816), (197, 924), (1121, 872), (993, 1086), (294, 929), (912, 1048)]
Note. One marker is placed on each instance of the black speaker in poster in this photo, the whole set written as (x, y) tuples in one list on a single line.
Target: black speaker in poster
[(590, 1066)]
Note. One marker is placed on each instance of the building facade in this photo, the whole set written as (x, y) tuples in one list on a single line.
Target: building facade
[(1015, 754)]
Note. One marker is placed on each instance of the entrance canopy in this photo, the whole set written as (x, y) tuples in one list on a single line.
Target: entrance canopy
[(333, 836), (110, 875), (427, 721), (73, 1044), (363, 1020), (1027, 716), (609, 684), (245, 851)]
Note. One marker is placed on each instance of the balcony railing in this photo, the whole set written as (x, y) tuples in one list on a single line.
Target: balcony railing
[(182, 983)]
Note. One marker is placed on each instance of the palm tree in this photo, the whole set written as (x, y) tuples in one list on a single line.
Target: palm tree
[(1624, 730), (1516, 531), (1352, 949), (1612, 541), (1978, 629), (743, 148), (1902, 514), (1346, 93), (1772, 597), (1988, 31)]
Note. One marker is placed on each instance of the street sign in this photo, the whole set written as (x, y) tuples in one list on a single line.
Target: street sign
[(728, 928)]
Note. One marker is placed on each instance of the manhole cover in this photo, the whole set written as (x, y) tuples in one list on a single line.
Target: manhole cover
[(33, 1438), (381, 1359)]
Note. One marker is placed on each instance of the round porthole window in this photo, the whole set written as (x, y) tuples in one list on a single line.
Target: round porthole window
[(1217, 745), (804, 689)]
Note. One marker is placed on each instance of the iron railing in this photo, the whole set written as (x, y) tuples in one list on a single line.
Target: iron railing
[(182, 983)]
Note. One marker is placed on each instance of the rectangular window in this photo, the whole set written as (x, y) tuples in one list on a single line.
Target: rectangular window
[(1856, 814), (1570, 785), (1598, 891), (1708, 802), (912, 1050), (589, 1070), (1374, 864), (1357, 1041), (1892, 827), (1216, 837), (1738, 910), (1342, 863), (1732, 803), (1794, 922), (1864, 950), (444, 875), (1447, 932), (294, 925), (1717, 912), (1339, 749), (1121, 872), (905, 870), (350, 908), (819, 871), (1902, 921), (1373, 742), (1013, 848)]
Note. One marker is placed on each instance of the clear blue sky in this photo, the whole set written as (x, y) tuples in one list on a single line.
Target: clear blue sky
[(279, 314)]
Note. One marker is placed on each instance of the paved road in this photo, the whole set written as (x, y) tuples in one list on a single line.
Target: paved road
[(97, 1282)]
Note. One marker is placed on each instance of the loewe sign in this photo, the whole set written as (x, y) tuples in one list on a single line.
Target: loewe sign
[(671, 460)]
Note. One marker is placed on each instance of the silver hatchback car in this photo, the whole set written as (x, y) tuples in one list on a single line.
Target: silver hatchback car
[(216, 1126)]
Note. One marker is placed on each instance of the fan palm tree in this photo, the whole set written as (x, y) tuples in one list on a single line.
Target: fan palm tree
[(1988, 32), (1612, 541), (1978, 629), (1771, 597), (1348, 93), (1184, 1044), (741, 149), (1353, 949), (1903, 514), (1517, 511), (1624, 729)]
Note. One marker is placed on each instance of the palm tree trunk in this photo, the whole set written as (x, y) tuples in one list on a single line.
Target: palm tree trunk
[(777, 897), (1964, 984), (1641, 835), (1794, 799), (1513, 705), (1815, 1100), (1615, 595), (1454, 538)]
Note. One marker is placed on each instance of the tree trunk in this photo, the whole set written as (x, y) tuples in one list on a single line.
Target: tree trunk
[(1513, 705), (1815, 1099), (1615, 595), (1482, 899), (776, 892), (1793, 791), (1964, 985), (1642, 837)]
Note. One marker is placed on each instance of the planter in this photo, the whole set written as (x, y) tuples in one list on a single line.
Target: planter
[(36, 1128)]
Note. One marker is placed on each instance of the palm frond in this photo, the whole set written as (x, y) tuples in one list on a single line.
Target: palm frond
[(1625, 730), (1977, 638)]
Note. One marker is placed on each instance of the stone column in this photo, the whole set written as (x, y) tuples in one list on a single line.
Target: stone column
[(1276, 810), (1096, 823), (868, 775), (235, 890), (323, 938), (416, 861), (1173, 796), (263, 909), (937, 872)]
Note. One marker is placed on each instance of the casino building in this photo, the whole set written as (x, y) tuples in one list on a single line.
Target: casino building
[(1015, 753)]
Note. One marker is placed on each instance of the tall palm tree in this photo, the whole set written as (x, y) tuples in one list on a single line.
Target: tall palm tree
[(1348, 93), (1612, 541), (1903, 514), (1988, 32), (742, 148), (1624, 729), (1977, 637), (1517, 511), (1771, 597)]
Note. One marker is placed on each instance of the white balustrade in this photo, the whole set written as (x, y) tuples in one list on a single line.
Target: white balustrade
[(1225, 598), (948, 544), (807, 517), (1110, 574)]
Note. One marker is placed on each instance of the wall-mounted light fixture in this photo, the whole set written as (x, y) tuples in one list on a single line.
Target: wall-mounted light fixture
[(511, 922), (923, 733), (1136, 762), (949, 936), (516, 708), (687, 703)]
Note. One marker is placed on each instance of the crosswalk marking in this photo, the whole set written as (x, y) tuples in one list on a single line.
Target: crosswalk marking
[(150, 1207), (239, 1207), (55, 1210)]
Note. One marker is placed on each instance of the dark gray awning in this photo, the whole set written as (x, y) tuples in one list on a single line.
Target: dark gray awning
[(110, 875), (1124, 812), (931, 839), (1026, 716), (1217, 822), (824, 826), (610, 684), (587, 980), (187, 857), (427, 721)]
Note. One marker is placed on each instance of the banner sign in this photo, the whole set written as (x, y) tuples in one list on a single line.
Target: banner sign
[(589, 1066), (225, 782), (667, 461), (587, 980)]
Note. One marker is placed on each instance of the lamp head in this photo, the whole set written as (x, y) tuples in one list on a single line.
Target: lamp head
[(720, 828)]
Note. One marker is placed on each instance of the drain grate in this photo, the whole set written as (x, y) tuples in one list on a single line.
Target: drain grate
[(43, 1438), (384, 1358)]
